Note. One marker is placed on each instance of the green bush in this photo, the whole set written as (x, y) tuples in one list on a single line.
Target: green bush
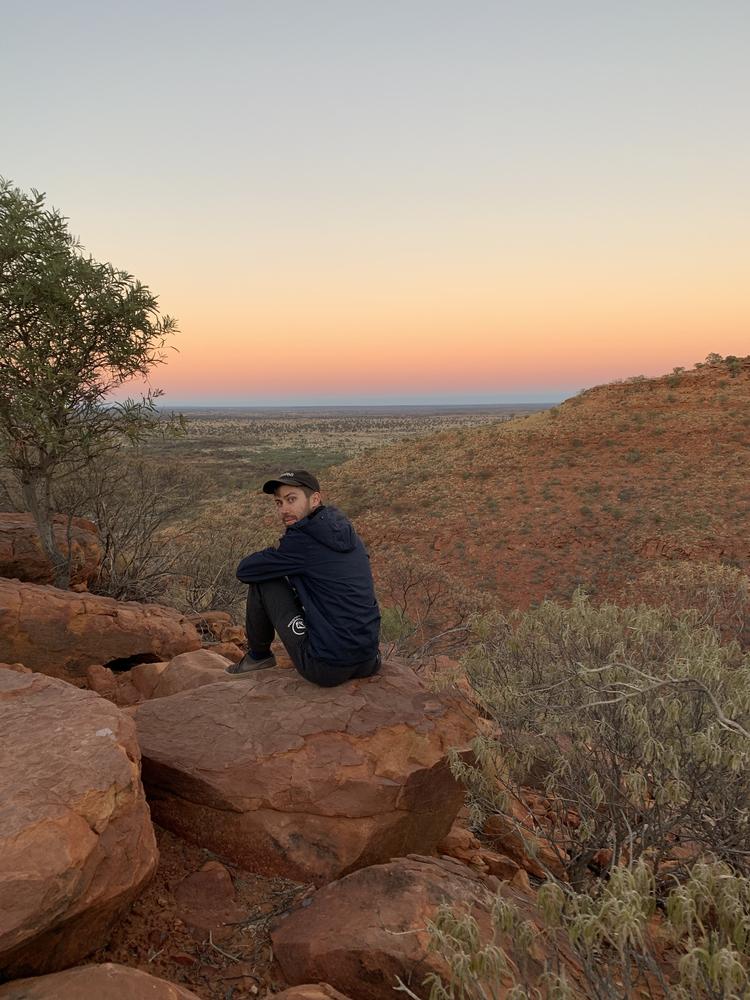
[(634, 720)]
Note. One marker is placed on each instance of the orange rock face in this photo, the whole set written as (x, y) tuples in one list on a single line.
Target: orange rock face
[(286, 778), (95, 982), (61, 633), (23, 558), (76, 841), (363, 932)]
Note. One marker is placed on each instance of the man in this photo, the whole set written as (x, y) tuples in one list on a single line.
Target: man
[(315, 591)]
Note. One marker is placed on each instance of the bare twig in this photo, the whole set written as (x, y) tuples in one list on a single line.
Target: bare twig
[(233, 958)]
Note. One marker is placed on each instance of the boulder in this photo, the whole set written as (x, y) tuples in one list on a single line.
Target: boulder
[(285, 778), (229, 649), (96, 982), (76, 841), (158, 680), (369, 929), (207, 903), (23, 558), (61, 633), (191, 670)]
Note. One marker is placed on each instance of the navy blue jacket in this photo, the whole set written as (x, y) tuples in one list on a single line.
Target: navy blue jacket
[(328, 566)]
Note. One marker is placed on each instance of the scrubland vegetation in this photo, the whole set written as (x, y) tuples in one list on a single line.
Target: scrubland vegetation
[(632, 725)]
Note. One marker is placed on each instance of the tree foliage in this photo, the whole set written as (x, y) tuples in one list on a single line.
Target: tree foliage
[(72, 331)]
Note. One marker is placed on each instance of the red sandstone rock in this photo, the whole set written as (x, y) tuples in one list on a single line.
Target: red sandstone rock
[(158, 680), (145, 677), (461, 844), (19, 668), (76, 841), (23, 558), (229, 649), (191, 670), (504, 868), (206, 902), (95, 982), (287, 778), (534, 853), (61, 633), (363, 932)]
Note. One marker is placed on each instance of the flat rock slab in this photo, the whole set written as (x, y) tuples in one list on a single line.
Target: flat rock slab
[(366, 931), (76, 840), (23, 558), (61, 633), (285, 778), (96, 982)]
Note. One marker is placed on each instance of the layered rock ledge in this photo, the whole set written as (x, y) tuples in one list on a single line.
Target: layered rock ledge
[(61, 633), (286, 778), (76, 840)]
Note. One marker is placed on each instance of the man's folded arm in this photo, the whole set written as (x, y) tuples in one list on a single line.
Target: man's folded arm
[(271, 563)]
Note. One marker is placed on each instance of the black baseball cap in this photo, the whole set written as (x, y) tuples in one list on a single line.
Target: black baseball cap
[(298, 477)]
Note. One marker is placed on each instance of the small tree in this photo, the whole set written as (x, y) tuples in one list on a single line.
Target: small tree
[(72, 330)]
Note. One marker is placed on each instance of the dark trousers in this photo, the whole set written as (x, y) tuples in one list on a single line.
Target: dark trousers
[(272, 607)]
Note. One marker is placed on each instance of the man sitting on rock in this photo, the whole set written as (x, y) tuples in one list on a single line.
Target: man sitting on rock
[(315, 591)]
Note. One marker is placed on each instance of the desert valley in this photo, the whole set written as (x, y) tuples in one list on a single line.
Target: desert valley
[(544, 793)]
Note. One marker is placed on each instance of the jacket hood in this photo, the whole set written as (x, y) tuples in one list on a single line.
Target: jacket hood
[(331, 528)]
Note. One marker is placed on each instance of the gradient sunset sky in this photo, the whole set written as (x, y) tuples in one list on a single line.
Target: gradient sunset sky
[(379, 201)]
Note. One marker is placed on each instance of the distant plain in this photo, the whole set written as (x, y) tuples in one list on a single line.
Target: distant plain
[(237, 447)]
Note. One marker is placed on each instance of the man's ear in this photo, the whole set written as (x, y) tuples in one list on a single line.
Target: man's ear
[(315, 500)]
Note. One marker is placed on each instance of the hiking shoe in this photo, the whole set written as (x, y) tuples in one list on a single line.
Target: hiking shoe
[(248, 665)]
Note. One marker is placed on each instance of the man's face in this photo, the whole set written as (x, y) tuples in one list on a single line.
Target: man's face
[(293, 505)]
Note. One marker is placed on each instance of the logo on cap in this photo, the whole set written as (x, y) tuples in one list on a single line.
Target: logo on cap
[(289, 475)]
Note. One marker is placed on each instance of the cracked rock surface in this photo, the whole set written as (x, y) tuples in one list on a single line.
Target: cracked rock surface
[(76, 840), (285, 778)]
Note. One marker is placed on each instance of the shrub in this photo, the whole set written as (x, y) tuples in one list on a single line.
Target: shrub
[(133, 500), (718, 592), (424, 609), (633, 721), (618, 935)]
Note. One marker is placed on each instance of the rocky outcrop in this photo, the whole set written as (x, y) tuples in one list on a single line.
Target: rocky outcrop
[(286, 778), (158, 680), (23, 558), (367, 930), (76, 841), (61, 633), (96, 982)]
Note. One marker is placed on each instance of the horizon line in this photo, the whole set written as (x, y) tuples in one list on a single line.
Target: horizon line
[(336, 404)]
